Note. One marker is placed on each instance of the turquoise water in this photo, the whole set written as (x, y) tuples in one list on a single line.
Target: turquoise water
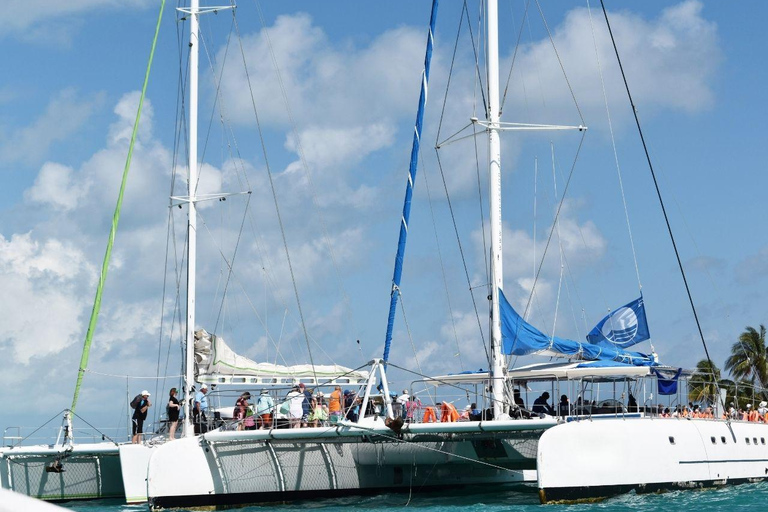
[(749, 497)]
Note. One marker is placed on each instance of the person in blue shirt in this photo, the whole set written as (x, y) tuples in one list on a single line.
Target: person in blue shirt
[(200, 411)]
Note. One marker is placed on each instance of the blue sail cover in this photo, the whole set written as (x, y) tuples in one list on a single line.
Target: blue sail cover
[(400, 256), (521, 338), (622, 328)]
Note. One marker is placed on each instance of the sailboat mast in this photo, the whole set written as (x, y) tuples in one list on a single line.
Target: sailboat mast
[(189, 375), (494, 160)]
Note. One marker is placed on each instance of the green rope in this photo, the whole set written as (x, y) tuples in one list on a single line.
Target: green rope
[(113, 230)]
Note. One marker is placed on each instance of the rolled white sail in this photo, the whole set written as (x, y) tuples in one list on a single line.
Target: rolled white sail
[(216, 362)]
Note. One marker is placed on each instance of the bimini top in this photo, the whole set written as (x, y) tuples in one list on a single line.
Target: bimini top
[(607, 370), (217, 363)]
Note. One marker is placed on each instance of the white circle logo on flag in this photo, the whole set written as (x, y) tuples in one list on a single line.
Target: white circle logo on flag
[(621, 327)]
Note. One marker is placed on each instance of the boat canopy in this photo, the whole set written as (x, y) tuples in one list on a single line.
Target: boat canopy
[(597, 370), (218, 364)]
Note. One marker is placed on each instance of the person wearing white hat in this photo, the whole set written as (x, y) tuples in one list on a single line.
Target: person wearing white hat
[(142, 403), (200, 410)]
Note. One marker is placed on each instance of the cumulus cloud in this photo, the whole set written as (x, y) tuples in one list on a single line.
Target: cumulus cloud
[(55, 185), (42, 297), (670, 62)]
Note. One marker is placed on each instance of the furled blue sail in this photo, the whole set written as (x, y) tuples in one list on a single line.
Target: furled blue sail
[(400, 256), (521, 338)]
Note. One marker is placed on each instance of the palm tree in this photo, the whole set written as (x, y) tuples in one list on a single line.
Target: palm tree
[(703, 384), (749, 357)]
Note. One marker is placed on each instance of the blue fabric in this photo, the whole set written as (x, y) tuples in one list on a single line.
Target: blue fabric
[(521, 338), (667, 385), (409, 187), (622, 328)]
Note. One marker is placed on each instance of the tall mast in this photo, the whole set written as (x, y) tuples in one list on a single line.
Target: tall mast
[(494, 160), (189, 375)]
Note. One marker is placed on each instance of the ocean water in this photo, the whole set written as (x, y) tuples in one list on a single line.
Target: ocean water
[(747, 497)]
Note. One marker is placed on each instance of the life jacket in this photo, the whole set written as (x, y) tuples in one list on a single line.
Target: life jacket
[(448, 413), (429, 415)]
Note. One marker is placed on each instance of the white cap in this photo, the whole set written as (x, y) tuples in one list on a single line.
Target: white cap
[(145, 393), (204, 386), (749, 405)]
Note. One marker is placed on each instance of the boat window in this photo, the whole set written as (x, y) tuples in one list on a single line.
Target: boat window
[(671, 440), (722, 439), (762, 440), (754, 440), (714, 441), (747, 440)]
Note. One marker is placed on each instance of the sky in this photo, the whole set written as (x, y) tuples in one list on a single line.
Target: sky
[(335, 86)]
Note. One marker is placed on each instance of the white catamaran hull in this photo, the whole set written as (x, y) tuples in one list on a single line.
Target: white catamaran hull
[(238, 468), (587, 460), (89, 471)]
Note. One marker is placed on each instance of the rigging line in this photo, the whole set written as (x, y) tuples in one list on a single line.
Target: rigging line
[(136, 377), (563, 257), (217, 96), (38, 429), (560, 62), (718, 295), (231, 264), (162, 300), (463, 259), (307, 173), (450, 75), (482, 206), (280, 338), (442, 265), (560, 246), (477, 60), (615, 151), (408, 330), (557, 216), (656, 185), (274, 195), (535, 204), (514, 56), (170, 241), (94, 428), (115, 221)]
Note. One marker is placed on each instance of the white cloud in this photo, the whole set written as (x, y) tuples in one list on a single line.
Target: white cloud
[(43, 19), (55, 185), (41, 297), (65, 114), (669, 62)]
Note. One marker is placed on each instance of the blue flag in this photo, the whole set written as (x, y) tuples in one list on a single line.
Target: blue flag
[(667, 382), (623, 328)]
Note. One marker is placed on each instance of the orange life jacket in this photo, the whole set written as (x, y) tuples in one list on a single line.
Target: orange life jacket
[(448, 413), (429, 415)]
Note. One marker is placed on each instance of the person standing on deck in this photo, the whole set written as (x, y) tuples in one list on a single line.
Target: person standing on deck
[(334, 405), (173, 413), (200, 411), (306, 405), (139, 415)]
